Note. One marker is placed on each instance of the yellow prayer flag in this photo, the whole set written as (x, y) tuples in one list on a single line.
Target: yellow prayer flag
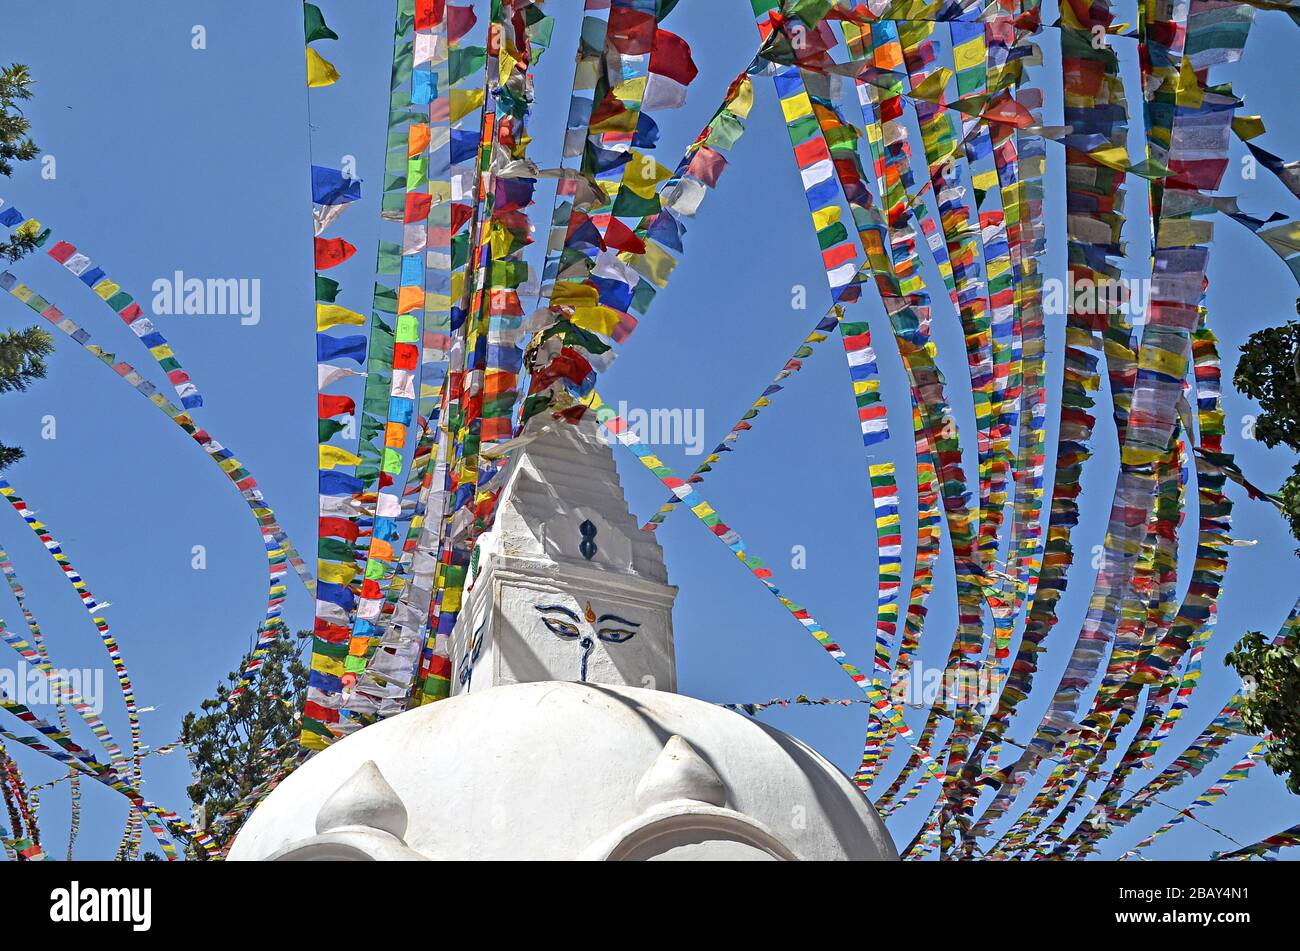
[(1248, 127), (796, 107), (505, 64), (631, 90), (826, 217), (327, 665), (601, 320), (931, 90), (1163, 361), (743, 101), (331, 456), (642, 175), (465, 101), (1112, 156), (1284, 239), (985, 181), (332, 573), (314, 741), (1190, 93), (331, 315), (969, 54), (656, 265), (575, 294), (320, 71), (1184, 232)]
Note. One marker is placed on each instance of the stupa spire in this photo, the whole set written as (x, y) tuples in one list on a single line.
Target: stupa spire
[(565, 586)]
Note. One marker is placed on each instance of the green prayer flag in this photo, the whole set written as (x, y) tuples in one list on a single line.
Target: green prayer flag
[(314, 22), (327, 429), (327, 290)]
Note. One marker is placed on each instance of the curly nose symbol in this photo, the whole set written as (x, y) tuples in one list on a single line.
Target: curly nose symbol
[(587, 645)]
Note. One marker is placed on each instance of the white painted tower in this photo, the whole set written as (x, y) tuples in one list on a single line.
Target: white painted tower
[(565, 586), (564, 737)]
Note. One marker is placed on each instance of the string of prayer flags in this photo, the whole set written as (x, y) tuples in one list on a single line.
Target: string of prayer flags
[(1094, 91), (901, 286), (1239, 771), (70, 754), (453, 269), (481, 383), (588, 79), (125, 306), (792, 365), (93, 608), (37, 655), (1266, 848), (338, 490), (817, 136), (281, 553), (1197, 161), (394, 665), (25, 844), (1106, 817), (870, 228), (625, 209)]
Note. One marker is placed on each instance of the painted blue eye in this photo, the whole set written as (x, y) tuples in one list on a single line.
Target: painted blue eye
[(560, 628), (615, 636)]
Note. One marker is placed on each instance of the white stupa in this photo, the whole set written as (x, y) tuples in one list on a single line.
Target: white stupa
[(564, 737)]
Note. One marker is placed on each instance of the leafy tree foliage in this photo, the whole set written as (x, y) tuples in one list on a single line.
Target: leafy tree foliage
[(1290, 495), (1271, 674), (22, 359), (16, 144), (237, 746), (21, 351), (1269, 373)]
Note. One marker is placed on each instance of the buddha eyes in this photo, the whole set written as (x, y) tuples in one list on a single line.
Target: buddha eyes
[(562, 622), (561, 628)]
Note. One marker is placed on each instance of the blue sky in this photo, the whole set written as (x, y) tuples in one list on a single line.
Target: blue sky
[(171, 158)]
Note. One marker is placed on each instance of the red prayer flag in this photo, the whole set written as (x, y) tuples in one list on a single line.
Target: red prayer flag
[(460, 20), (631, 32), (331, 252), (328, 405), (621, 237), (707, 165), (428, 13), (417, 207), (672, 58), (332, 527)]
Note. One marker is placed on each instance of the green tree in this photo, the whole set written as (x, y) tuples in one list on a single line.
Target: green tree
[(22, 352), (16, 144), (1269, 373), (238, 746), (22, 359), (1271, 675)]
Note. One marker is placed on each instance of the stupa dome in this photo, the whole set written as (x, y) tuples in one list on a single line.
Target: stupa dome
[(561, 770)]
